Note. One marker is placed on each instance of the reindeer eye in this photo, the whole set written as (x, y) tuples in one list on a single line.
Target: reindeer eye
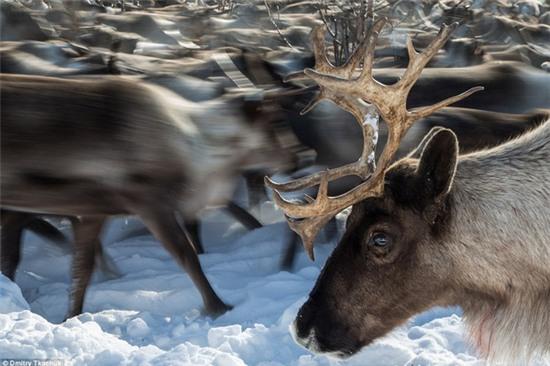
[(379, 239), (381, 246)]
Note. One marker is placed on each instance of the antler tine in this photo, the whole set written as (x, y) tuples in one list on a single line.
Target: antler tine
[(410, 48), (316, 178), (370, 45), (337, 84), (417, 61), (297, 75), (308, 229), (421, 112), (298, 210), (319, 49)]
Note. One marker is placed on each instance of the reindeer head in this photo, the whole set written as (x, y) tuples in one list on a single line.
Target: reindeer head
[(390, 264), (383, 270)]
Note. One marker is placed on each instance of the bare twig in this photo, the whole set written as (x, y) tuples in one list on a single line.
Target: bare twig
[(324, 19), (277, 27)]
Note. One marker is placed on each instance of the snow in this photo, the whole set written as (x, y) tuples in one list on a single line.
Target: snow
[(11, 299), (151, 314), (372, 119)]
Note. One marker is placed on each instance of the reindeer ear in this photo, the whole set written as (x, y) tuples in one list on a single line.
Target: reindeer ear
[(417, 151), (437, 166)]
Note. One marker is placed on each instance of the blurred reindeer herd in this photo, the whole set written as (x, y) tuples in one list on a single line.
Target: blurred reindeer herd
[(157, 108)]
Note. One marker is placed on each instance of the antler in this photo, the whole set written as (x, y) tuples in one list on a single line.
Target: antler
[(337, 84), (357, 107)]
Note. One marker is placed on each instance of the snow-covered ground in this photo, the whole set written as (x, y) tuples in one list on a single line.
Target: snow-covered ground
[(151, 314)]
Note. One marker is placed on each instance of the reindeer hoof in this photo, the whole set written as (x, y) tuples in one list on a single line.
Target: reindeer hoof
[(217, 309), (69, 316)]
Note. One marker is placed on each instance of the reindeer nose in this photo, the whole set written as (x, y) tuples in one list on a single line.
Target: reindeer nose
[(304, 319)]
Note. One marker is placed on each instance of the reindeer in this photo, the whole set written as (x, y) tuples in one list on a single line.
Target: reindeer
[(435, 228), (94, 148)]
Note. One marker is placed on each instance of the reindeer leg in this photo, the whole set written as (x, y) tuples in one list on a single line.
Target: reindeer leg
[(289, 254), (243, 216), (163, 224), (10, 242), (192, 228), (86, 240)]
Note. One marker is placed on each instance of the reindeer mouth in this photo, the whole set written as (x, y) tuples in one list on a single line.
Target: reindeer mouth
[(312, 344), (340, 355)]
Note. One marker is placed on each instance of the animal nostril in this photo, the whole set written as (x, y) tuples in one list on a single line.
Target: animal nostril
[(304, 320)]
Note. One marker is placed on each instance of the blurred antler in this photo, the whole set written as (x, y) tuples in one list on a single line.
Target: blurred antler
[(337, 84)]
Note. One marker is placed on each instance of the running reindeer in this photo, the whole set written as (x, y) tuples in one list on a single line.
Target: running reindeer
[(94, 148), (432, 229)]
